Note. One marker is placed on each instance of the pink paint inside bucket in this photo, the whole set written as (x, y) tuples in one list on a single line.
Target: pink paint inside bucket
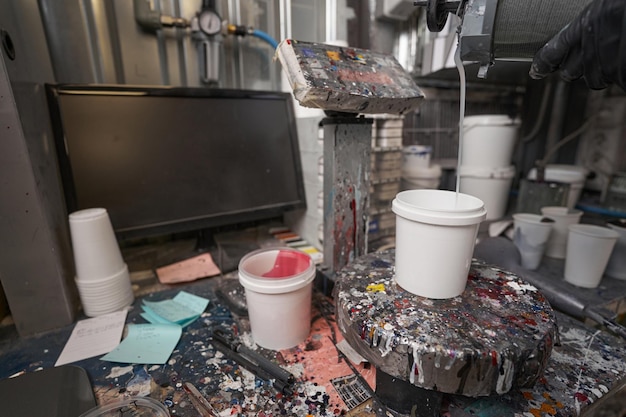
[(288, 264)]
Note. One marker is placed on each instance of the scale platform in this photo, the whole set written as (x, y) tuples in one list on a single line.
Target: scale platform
[(497, 336)]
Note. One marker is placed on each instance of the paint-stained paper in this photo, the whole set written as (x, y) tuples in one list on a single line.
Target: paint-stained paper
[(347, 79), (146, 344), (93, 337)]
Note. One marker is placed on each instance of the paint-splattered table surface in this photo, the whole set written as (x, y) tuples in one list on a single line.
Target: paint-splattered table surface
[(586, 368)]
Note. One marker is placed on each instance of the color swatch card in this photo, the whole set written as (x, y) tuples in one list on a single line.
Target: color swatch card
[(347, 79)]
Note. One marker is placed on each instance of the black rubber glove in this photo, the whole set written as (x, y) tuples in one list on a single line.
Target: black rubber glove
[(592, 46)]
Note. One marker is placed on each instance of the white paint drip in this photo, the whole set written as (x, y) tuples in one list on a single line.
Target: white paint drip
[(505, 379), (118, 371), (576, 402)]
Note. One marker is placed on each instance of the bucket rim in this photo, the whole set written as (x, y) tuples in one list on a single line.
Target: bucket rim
[(474, 211), (281, 285)]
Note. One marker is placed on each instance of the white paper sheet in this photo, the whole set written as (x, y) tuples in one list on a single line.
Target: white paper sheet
[(93, 337)]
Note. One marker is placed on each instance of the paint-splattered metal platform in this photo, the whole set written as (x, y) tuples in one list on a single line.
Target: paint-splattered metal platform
[(498, 335)]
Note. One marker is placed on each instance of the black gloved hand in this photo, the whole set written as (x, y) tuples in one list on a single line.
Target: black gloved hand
[(592, 46)]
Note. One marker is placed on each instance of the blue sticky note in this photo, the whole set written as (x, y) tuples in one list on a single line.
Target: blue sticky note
[(150, 317), (182, 308), (146, 344)]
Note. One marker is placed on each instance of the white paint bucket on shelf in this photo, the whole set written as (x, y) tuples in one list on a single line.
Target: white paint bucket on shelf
[(435, 236), (491, 185), (278, 283), (421, 177), (489, 140)]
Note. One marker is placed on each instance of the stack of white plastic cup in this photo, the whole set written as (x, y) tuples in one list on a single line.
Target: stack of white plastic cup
[(102, 277)]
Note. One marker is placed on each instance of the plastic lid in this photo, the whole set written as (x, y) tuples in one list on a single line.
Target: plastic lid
[(139, 406), (488, 172), (439, 207), (490, 120)]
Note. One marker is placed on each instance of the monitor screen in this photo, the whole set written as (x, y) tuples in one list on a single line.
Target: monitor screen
[(167, 160)]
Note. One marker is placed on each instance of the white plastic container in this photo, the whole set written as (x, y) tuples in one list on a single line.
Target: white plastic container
[(530, 236), (416, 156), (568, 174), (588, 250), (278, 284), (489, 140), (616, 267), (563, 217), (418, 177), (96, 251), (491, 185), (435, 236)]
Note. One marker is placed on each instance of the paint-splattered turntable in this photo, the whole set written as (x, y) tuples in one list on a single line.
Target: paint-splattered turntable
[(498, 335)]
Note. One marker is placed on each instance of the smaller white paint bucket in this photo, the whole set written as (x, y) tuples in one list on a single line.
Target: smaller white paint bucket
[(278, 284), (435, 236), (588, 250), (491, 185)]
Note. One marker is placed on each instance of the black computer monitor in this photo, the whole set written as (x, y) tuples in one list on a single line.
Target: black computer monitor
[(169, 160)]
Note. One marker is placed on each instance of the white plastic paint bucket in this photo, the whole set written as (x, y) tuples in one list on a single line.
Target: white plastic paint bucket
[(278, 284), (489, 140), (416, 156), (573, 175), (435, 237), (491, 185)]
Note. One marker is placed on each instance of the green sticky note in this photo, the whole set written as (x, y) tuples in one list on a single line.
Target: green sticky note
[(146, 344), (183, 307)]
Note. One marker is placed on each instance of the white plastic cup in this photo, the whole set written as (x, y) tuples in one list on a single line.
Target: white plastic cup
[(96, 252), (491, 185), (435, 236), (588, 250), (530, 235), (563, 217), (616, 268), (489, 140), (278, 284)]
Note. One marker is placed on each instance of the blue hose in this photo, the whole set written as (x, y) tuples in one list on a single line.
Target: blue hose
[(264, 36)]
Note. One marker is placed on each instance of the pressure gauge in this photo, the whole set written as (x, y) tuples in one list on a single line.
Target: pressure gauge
[(210, 22)]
